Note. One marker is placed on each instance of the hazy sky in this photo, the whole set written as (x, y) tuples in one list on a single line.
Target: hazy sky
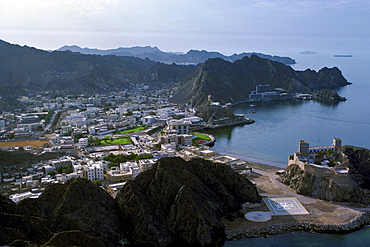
[(227, 26)]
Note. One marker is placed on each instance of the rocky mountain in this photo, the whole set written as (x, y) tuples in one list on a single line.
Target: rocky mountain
[(169, 73), (232, 82), (155, 54), (182, 202), (25, 70), (354, 188), (176, 203)]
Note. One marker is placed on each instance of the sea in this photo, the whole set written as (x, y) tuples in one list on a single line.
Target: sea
[(280, 125)]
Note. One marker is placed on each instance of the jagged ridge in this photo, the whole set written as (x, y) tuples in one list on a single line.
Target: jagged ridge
[(232, 82)]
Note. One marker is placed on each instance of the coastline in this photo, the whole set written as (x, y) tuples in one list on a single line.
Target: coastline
[(356, 224), (324, 217)]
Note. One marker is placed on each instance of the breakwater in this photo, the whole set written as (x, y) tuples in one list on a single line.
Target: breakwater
[(353, 225)]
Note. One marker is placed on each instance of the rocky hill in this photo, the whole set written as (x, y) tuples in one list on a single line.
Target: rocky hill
[(175, 203), (178, 201), (155, 54), (352, 188), (232, 82), (27, 70), (78, 213)]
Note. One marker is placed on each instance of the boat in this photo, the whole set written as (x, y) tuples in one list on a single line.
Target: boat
[(342, 55), (252, 105)]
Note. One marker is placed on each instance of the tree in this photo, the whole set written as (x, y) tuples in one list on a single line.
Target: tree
[(77, 136), (52, 173), (97, 182), (332, 163), (320, 155)]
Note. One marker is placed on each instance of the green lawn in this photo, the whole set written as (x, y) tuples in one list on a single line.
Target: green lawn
[(136, 129), (200, 138), (120, 141)]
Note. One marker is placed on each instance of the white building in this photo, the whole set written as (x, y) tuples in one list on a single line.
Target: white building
[(146, 164), (19, 197), (94, 172), (83, 142), (149, 120), (180, 126)]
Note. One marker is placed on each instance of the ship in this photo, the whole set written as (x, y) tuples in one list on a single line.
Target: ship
[(342, 55)]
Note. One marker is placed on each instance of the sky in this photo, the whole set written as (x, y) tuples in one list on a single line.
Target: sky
[(227, 26)]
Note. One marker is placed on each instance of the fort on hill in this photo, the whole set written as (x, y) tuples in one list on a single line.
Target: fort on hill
[(331, 158), (324, 172)]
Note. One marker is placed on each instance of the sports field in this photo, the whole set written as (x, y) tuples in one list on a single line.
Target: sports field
[(34, 144)]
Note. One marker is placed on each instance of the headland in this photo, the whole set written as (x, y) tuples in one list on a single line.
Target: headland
[(323, 215)]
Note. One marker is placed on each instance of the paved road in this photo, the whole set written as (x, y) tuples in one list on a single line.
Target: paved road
[(288, 191)]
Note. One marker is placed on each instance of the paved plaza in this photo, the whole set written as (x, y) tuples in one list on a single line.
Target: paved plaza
[(285, 206)]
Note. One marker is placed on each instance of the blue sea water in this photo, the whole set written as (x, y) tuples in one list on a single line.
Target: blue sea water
[(359, 238), (279, 126)]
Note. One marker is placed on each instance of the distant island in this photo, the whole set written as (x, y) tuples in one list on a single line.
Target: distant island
[(308, 52)]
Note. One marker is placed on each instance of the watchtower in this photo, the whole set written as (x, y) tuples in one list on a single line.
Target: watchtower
[(303, 148), (337, 143)]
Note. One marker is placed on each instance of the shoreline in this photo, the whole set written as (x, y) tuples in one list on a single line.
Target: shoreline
[(257, 162), (242, 228), (356, 224)]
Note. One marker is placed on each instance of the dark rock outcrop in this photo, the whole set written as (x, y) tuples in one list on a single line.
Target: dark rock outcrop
[(81, 205), (232, 82), (175, 203), (327, 94), (62, 213), (359, 165), (15, 226), (182, 202)]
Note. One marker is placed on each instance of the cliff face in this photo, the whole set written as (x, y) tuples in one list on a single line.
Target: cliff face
[(351, 188), (359, 165), (232, 82), (179, 201)]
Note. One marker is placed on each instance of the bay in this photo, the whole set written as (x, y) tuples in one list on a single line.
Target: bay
[(279, 126)]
